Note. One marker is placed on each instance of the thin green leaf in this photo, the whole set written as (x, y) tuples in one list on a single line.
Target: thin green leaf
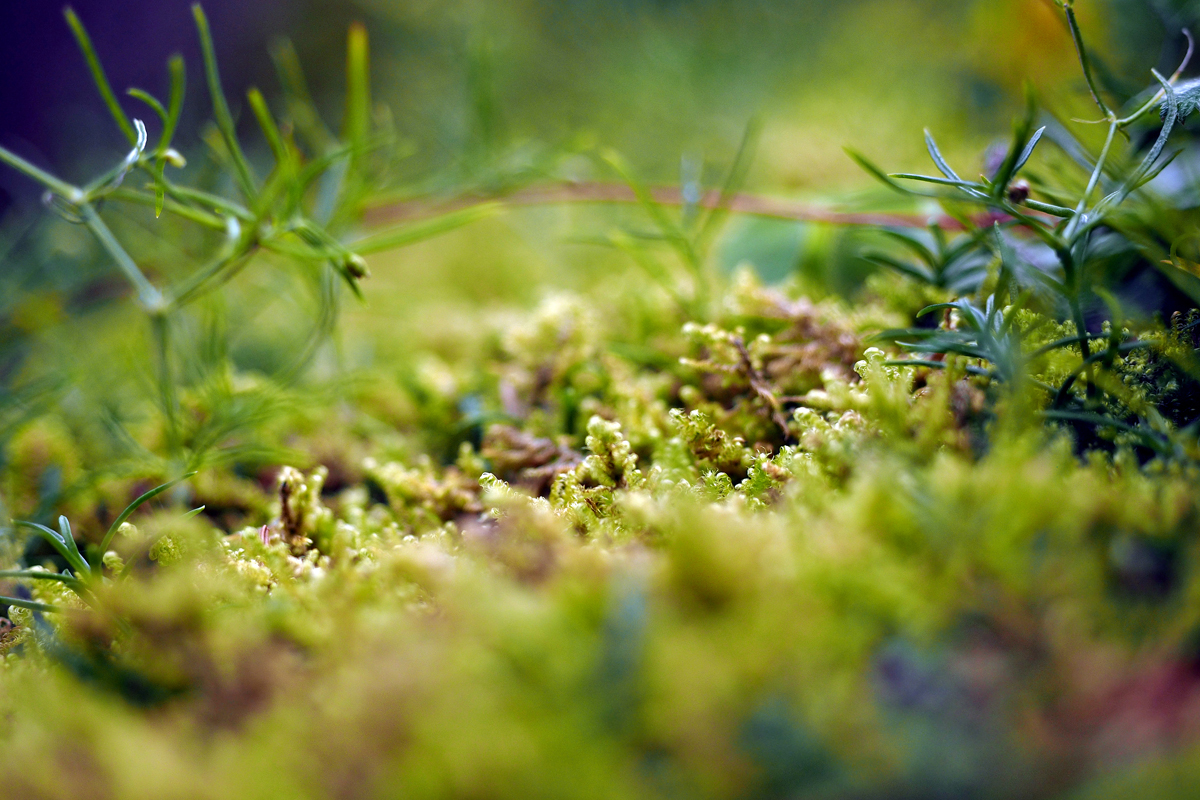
[(892, 334), (912, 243), (185, 195), (1084, 61), (734, 180), (1048, 208), (149, 100), (1156, 171), (1068, 341), (187, 212), (356, 124), (89, 54), (38, 575), (937, 307), (971, 369), (1028, 151), (956, 347), (134, 506), (175, 108), (1020, 142), (938, 160), (1148, 437), (300, 105), (270, 130), (69, 552), (30, 604), (1172, 105), (224, 119), (403, 235), (64, 527), (178, 73), (898, 265), (51, 535), (961, 184), (877, 173)]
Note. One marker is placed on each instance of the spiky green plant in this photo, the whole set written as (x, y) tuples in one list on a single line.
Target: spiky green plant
[(994, 281), (83, 571), (301, 216)]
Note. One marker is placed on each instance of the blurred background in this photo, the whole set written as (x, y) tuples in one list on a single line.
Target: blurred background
[(483, 93), (477, 86), (659, 80)]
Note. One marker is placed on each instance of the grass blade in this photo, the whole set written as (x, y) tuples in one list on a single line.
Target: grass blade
[(134, 506), (1154, 172), (175, 104), (1085, 62), (262, 113), (286, 174), (1171, 102)]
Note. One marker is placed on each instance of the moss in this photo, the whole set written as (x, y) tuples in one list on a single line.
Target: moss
[(769, 563)]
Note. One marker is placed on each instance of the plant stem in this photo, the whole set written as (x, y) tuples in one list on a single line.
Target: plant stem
[(30, 604), (71, 193), (1084, 62), (1073, 226), (149, 297), (1125, 122), (166, 386)]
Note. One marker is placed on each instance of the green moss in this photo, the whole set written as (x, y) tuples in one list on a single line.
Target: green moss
[(700, 603)]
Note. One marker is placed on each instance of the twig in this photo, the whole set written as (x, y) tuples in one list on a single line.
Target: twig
[(601, 192)]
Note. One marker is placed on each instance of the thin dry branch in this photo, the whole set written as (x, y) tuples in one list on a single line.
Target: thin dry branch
[(601, 192)]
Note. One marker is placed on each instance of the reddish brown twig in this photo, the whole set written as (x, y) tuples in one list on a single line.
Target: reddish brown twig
[(600, 192)]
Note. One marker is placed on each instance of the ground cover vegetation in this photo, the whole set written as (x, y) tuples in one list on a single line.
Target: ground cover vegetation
[(685, 534)]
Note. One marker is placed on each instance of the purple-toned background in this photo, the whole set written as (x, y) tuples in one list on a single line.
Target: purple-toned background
[(49, 109)]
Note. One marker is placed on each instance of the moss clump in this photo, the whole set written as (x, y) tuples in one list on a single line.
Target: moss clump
[(775, 565)]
